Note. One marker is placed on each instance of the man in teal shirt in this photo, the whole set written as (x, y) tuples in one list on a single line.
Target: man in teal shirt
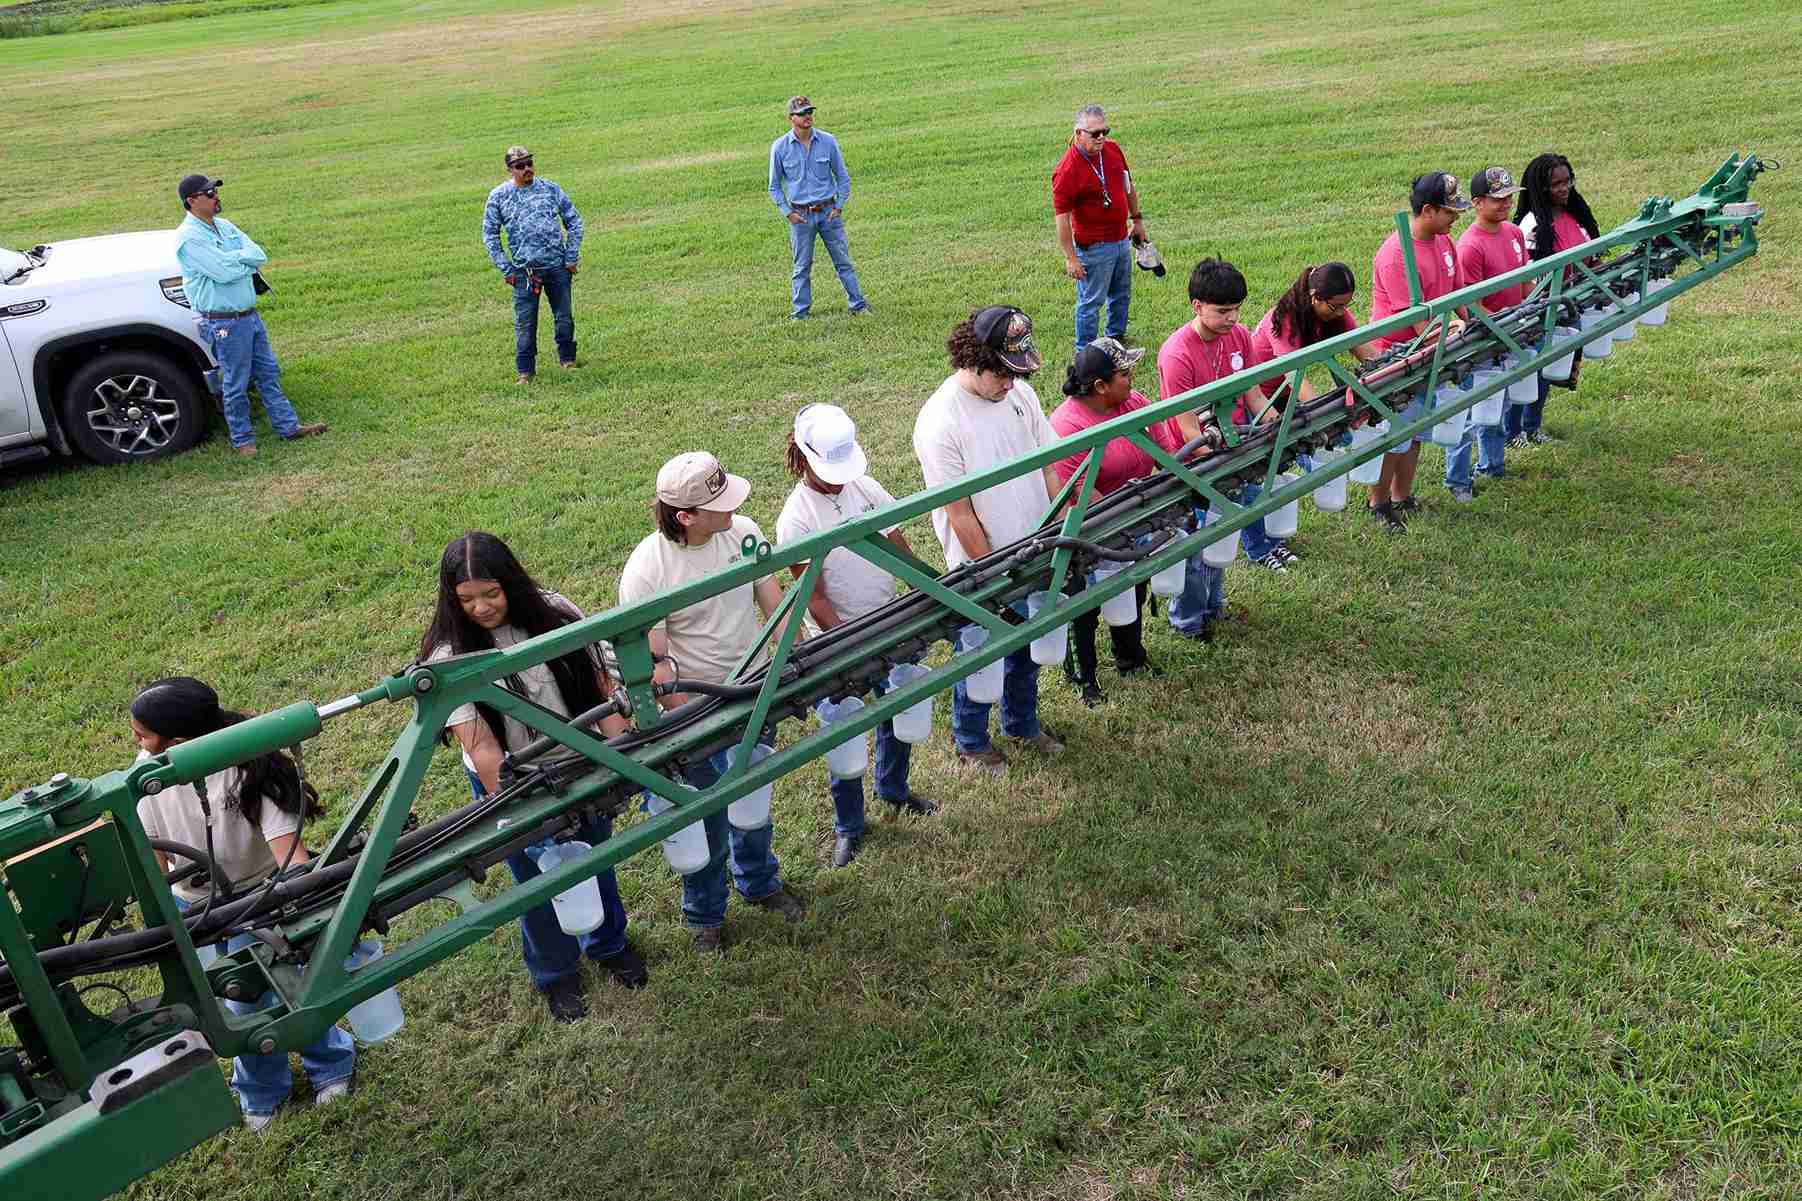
[(218, 270)]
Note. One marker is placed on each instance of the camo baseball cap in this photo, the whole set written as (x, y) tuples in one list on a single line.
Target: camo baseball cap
[(515, 153), (1005, 329), (1493, 181), (696, 480), (798, 105), (1440, 189)]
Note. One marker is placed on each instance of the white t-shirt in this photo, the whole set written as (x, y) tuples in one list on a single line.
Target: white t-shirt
[(959, 433), (239, 848), (535, 683), (851, 582), (708, 638)]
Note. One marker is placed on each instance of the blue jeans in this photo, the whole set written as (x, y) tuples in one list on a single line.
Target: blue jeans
[(754, 866), (830, 230), (241, 344), (1108, 276), (1019, 702), (1203, 597), (1489, 442), (1254, 539), (1525, 419), (263, 1082), (892, 759), (525, 317), (551, 955)]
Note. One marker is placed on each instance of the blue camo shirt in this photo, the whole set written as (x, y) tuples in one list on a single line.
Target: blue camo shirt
[(808, 175), (534, 218), (217, 261)]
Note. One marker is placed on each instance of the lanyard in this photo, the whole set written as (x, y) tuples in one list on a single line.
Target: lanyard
[(1100, 173)]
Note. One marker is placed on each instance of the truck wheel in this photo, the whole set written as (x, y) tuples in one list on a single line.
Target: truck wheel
[(129, 405)]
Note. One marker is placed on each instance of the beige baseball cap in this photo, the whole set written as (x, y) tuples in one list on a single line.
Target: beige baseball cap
[(695, 480)]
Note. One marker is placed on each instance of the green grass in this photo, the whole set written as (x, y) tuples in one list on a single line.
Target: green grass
[(42, 18), (1467, 865)]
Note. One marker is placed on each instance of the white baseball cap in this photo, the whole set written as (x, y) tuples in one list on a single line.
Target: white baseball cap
[(828, 440)]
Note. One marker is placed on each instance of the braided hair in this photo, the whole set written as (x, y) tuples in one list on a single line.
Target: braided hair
[(480, 556), (183, 707), (1294, 311), (1536, 198)]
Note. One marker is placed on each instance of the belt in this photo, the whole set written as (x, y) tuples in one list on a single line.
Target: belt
[(228, 316), (824, 206)]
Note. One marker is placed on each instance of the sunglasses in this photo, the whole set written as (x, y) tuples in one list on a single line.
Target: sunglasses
[(519, 164), (1096, 133), (210, 193), (802, 112)]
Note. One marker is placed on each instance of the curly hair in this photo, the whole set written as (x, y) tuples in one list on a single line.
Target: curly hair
[(1536, 198), (970, 353), (794, 459)]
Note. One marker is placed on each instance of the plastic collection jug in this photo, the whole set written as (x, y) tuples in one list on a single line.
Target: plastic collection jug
[(578, 907), (686, 850), (850, 758), (1371, 470), (1558, 369), (1221, 551), (1488, 411), (1449, 430), (982, 686), (1282, 523), (752, 810), (1659, 314), (380, 1016), (1169, 582), (914, 723), (1525, 390), (1122, 609), (1625, 333), (1047, 649), (1598, 347), (1329, 497)]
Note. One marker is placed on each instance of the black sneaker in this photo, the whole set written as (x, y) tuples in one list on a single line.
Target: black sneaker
[(1519, 442), (1091, 693), (627, 968), (1407, 508), (1273, 561), (1385, 513), (1139, 667), (912, 803), (1290, 558), (1540, 438), (564, 1000)]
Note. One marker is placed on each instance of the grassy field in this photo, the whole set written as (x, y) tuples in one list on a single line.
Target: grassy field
[(1466, 866)]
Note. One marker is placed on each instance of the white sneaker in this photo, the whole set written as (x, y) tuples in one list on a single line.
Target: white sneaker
[(256, 1123), (332, 1092)]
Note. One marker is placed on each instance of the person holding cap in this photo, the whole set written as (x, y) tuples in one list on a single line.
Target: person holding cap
[(834, 486), (1093, 197), (810, 186), (543, 253), (983, 415), (1492, 246), (1099, 387), (700, 532), (1436, 202), (219, 277)]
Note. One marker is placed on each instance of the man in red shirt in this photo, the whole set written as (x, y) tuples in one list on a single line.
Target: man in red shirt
[(1436, 202), (1093, 196), (1492, 246)]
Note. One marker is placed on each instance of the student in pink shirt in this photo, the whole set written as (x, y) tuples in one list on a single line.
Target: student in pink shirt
[(1317, 306), (1552, 216), (1492, 246), (1098, 387), (1436, 201), (1209, 346)]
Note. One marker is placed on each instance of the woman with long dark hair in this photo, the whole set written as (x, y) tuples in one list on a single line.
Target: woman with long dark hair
[(487, 600), (247, 821), (1553, 217)]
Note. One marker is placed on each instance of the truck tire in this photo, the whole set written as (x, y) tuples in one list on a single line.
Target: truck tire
[(126, 406)]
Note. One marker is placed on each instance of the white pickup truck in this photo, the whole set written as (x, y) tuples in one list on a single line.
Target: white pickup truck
[(99, 354)]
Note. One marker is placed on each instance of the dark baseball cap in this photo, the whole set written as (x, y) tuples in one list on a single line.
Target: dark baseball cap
[(1493, 181), (1008, 331), (1440, 189), (1103, 359), (193, 185)]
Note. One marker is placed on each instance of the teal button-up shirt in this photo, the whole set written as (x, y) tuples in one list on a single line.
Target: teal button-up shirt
[(216, 264)]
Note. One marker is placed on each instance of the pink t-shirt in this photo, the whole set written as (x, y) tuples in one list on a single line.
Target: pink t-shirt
[(1437, 262), (1484, 254), (1120, 460), (1270, 343)]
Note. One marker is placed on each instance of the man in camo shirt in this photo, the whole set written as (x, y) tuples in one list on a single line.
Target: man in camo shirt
[(540, 256)]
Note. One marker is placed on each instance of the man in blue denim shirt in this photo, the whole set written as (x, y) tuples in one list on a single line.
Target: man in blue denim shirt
[(810, 186), (218, 276), (539, 257)]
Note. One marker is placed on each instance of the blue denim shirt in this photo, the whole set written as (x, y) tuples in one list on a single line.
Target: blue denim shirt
[(808, 176), (535, 218), (217, 262)]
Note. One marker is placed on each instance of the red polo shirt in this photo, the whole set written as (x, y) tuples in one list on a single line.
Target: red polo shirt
[(1076, 189)]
